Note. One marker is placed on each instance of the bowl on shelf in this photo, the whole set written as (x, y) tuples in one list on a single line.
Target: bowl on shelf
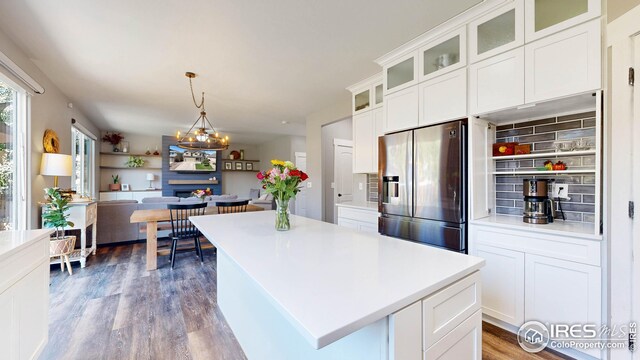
[(564, 145), (584, 144)]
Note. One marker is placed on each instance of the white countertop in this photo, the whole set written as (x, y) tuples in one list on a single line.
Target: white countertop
[(329, 281), (13, 241), (369, 205), (558, 227)]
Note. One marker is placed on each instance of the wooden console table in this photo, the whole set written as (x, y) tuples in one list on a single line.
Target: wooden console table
[(83, 214), (153, 217)]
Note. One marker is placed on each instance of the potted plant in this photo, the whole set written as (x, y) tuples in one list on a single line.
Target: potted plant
[(134, 162), (55, 216), (114, 139), (116, 183)]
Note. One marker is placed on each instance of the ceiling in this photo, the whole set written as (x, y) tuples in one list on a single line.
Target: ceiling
[(260, 63)]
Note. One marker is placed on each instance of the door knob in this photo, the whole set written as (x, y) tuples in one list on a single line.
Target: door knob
[(339, 195)]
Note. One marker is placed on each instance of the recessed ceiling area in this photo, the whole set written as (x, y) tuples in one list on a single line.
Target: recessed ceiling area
[(260, 63)]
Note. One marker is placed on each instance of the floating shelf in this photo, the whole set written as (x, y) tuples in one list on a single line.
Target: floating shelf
[(129, 154), (193, 182), (130, 168), (541, 172), (546, 154)]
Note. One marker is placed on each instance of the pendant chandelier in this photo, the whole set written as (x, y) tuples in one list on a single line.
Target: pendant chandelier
[(202, 135)]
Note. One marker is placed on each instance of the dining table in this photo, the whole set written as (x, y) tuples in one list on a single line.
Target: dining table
[(154, 216)]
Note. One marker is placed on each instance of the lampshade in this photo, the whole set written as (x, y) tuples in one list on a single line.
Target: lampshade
[(55, 164), (150, 177)]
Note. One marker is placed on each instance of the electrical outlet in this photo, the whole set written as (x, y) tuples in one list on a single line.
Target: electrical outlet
[(333, 185), (309, 185), (561, 191), (360, 186)]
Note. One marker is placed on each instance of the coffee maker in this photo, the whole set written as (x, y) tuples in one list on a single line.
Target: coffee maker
[(538, 207)]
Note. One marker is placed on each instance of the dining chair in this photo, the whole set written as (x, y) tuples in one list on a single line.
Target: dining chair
[(229, 207), (183, 229)]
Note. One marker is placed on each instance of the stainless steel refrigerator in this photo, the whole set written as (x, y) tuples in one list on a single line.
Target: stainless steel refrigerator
[(423, 185)]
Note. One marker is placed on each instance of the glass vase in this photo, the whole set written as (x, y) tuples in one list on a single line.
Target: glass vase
[(282, 215)]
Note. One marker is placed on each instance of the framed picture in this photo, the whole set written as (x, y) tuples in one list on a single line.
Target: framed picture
[(228, 165), (249, 166), (238, 166), (125, 187)]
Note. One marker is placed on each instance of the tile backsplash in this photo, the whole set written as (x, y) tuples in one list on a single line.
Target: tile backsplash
[(541, 134), (372, 187)]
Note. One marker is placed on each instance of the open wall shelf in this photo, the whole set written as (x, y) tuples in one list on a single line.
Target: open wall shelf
[(545, 154)]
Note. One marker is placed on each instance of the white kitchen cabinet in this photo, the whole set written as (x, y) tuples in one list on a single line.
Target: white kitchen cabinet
[(546, 17), (463, 342), (562, 292), (444, 54), (366, 129), (497, 82), (401, 109), (366, 94), (128, 195), (405, 333), (564, 64), (443, 98), (24, 293), (502, 283), (359, 218), (496, 32), (401, 73)]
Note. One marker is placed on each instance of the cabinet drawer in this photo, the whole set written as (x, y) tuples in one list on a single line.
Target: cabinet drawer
[(559, 247), (463, 342), (448, 308), (22, 262), (366, 216)]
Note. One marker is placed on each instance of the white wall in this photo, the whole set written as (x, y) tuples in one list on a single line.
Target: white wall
[(615, 8), (136, 178), (315, 122), (239, 183), (48, 111)]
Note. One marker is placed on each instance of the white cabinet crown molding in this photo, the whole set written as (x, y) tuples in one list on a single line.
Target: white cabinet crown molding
[(364, 84), (459, 20)]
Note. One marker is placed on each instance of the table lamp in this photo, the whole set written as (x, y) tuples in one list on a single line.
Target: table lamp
[(55, 165), (150, 177)]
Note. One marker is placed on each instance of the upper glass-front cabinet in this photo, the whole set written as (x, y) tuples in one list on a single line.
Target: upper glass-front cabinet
[(379, 95), (361, 100), (444, 54), (401, 73), (545, 17), (498, 31), (366, 94)]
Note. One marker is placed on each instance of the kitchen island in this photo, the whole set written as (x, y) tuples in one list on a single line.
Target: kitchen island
[(321, 291)]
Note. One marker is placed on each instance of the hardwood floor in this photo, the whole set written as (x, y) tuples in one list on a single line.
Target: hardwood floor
[(115, 309)]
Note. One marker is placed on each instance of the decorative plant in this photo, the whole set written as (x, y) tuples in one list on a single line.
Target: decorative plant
[(135, 162), (282, 181), (113, 138), (55, 212), (115, 178), (201, 194)]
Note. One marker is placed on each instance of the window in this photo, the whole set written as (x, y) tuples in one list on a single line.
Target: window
[(13, 161), (82, 178)]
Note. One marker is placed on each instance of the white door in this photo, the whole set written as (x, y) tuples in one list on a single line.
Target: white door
[(342, 172), (622, 179), (401, 109), (443, 98), (301, 198)]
